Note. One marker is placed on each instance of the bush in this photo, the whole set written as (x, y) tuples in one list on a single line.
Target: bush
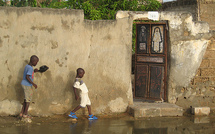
[(2, 3)]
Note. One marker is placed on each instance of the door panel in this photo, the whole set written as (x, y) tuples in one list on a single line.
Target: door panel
[(157, 40), (156, 81), (143, 39), (141, 80)]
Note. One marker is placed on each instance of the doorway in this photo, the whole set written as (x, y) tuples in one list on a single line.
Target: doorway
[(151, 61)]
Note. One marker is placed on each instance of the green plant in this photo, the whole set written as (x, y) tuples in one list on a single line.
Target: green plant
[(133, 38), (32, 3), (2, 3), (62, 4)]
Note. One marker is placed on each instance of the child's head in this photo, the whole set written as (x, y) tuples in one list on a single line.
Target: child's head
[(80, 72), (33, 60)]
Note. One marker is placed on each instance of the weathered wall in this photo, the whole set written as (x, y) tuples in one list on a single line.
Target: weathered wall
[(207, 12), (201, 10), (200, 91), (183, 5), (64, 41)]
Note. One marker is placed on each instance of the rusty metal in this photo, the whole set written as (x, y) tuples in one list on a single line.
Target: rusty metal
[(151, 61)]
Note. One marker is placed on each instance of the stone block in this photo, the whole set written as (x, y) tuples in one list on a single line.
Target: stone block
[(211, 45), (212, 63), (205, 63), (212, 79), (212, 27), (152, 112), (208, 72), (200, 110), (171, 112), (198, 72), (199, 79), (201, 119), (209, 54), (204, 18), (138, 113)]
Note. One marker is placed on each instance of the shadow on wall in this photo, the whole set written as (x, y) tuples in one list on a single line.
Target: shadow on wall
[(18, 87), (69, 89)]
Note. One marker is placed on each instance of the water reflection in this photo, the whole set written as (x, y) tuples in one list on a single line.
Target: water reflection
[(161, 125)]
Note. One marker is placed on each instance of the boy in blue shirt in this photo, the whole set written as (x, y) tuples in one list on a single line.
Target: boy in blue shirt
[(27, 84), (85, 101)]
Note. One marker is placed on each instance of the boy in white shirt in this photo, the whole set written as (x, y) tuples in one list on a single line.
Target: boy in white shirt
[(85, 100)]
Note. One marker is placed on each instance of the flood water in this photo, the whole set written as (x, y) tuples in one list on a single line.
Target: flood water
[(115, 125)]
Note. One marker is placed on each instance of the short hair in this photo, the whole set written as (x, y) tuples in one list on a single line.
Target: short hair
[(79, 69), (33, 57)]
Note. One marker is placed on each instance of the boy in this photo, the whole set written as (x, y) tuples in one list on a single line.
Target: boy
[(85, 101), (27, 84)]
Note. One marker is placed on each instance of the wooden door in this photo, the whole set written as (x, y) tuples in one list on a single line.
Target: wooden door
[(150, 61)]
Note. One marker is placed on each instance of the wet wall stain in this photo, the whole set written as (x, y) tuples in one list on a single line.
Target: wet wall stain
[(5, 25), (6, 63), (108, 37), (29, 40), (43, 28), (48, 75), (64, 25), (54, 44), (6, 36), (9, 78), (61, 61), (58, 62), (23, 46), (1, 42)]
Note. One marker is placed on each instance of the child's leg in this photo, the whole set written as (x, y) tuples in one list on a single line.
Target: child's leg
[(76, 109), (26, 108), (72, 113), (28, 91), (89, 109), (23, 108), (91, 116)]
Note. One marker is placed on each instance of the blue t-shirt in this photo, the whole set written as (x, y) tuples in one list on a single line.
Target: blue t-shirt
[(28, 71)]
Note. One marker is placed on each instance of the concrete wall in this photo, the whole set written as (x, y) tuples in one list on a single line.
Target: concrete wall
[(183, 5), (207, 12), (200, 91), (64, 41)]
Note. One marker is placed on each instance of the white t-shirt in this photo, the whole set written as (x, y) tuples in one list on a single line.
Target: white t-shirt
[(80, 86)]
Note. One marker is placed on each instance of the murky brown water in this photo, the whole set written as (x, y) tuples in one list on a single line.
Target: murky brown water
[(115, 125)]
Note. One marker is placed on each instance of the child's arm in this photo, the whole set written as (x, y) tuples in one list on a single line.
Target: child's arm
[(76, 96), (28, 78), (36, 70)]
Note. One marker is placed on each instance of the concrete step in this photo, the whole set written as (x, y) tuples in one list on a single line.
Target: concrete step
[(144, 109)]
